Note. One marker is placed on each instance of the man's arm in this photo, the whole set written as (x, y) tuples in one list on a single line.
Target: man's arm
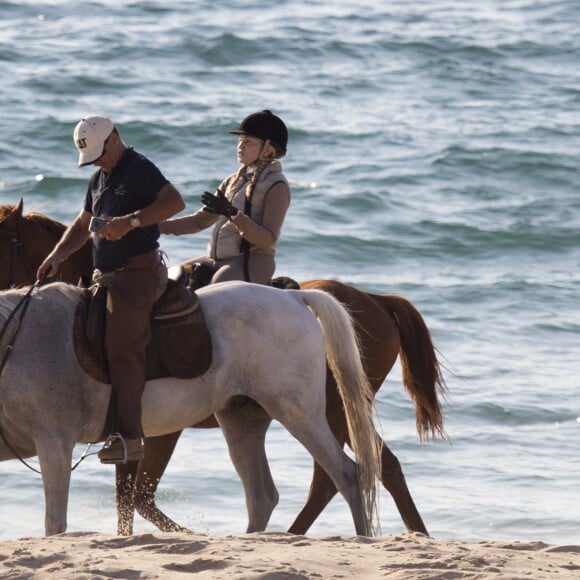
[(74, 238), (167, 203)]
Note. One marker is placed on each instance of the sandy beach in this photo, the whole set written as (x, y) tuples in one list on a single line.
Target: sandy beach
[(277, 556)]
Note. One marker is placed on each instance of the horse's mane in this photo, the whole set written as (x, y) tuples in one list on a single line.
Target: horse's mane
[(5, 209), (36, 218)]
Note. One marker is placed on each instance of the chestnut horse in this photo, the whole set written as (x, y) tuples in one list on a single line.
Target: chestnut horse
[(387, 326)]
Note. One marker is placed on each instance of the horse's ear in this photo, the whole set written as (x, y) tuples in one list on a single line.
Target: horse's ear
[(14, 216)]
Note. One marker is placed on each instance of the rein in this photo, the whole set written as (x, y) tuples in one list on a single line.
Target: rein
[(22, 307), (17, 455)]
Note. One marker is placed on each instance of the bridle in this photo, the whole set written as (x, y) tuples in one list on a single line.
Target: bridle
[(16, 246)]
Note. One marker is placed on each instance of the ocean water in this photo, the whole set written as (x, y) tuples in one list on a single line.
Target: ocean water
[(434, 153)]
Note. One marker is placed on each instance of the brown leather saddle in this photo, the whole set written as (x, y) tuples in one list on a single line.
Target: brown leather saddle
[(180, 345)]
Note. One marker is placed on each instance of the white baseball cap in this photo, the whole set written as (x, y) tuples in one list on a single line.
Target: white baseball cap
[(90, 135)]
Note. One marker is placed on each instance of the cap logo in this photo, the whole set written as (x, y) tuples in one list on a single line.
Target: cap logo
[(82, 143)]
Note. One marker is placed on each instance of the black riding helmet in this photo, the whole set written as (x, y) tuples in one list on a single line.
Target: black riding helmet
[(266, 126)]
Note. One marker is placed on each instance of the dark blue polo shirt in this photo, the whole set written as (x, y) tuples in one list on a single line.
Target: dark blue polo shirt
[(132, 185)]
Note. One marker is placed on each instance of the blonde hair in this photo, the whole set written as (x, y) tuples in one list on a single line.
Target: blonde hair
[(260, 166), (269, 151)]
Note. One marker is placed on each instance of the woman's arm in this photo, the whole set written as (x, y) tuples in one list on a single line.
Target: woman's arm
[(276, 204)]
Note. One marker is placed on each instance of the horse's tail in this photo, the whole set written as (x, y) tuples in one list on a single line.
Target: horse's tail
[(343, 357), (421, 372)]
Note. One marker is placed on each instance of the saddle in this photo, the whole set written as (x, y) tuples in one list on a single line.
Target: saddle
[(200, 275), (180, 345), (285, 283)]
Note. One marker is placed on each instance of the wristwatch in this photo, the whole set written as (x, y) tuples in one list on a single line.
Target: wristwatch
[(135, 221)]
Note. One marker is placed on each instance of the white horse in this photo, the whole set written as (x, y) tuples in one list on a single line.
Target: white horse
[(267, 347)]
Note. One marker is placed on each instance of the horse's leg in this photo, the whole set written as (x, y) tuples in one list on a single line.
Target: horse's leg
[(158, 451), (394, 481), (244, 428), (322, 489), (55, 457), (125, 475), (137, 482), (313, 431), (341, 469)]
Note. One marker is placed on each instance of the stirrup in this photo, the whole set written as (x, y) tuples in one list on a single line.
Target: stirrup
[(116, 458), (111, 438)]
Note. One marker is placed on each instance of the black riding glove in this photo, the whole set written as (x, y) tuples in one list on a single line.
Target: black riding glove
[(218, 204)]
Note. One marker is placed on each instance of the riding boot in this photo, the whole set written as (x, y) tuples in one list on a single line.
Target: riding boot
[(117, 449)]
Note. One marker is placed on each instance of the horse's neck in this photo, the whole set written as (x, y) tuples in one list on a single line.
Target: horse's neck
[(37, 244), (78, 266), (40, 243)]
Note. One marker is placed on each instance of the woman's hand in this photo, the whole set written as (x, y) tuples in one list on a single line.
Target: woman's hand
[(218, 204)]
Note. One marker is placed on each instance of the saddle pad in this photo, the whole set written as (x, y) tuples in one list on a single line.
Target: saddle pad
[(180, 346)]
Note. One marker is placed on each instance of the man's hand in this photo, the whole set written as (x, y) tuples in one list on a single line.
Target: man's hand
[(218, 204), (48, 268), (115, 229)]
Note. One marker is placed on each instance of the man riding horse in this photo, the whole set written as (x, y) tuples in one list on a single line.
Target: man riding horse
[(126, 198)]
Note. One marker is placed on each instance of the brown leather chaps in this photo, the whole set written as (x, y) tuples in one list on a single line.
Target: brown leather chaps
[(129, 304)]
